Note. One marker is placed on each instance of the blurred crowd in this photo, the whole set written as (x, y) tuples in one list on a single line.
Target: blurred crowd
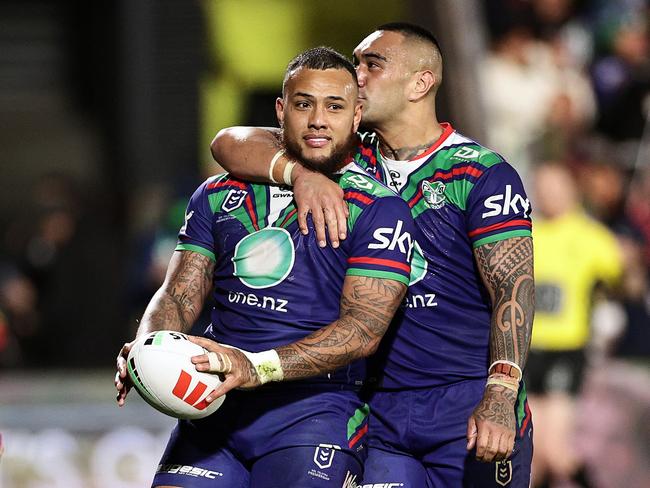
[(566, 86), (567, 82)]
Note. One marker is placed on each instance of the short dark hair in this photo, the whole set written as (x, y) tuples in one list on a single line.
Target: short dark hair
[(412, 30), (319, 58)]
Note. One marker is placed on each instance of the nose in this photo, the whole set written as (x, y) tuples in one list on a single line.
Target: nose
[(361, 76), (317, 118)]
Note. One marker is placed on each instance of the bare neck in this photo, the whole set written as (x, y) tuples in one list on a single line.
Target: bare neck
[(409, 135)]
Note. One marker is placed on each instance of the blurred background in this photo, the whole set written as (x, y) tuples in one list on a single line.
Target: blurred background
[(107, 110)]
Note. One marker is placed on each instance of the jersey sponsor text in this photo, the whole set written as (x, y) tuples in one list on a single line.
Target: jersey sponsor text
[(509, 203), (251, 299), (389, 238)]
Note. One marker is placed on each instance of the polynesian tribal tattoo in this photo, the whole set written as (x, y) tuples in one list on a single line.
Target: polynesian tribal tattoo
[(496, 406), (178, 303), (507, 270), (367, 308)]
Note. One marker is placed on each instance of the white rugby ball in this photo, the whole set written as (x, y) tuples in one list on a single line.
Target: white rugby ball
[(160, 368)]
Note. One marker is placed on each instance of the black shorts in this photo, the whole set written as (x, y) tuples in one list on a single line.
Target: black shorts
[(554, 371)]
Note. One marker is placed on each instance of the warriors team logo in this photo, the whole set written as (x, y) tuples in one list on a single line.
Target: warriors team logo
[(264, 258), (503, 472), (233, 200), (418, 264), (324, 455), (434, 193)]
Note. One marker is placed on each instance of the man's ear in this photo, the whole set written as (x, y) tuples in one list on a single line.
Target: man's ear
[(279, 110), (358, 111), (424, 82)]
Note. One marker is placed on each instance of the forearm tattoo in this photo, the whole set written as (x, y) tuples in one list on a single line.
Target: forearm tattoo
[(367, 308), (178, 303), (507, 271)]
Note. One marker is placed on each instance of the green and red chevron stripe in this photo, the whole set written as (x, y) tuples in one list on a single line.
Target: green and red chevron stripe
[(380, 262), (358, 425)]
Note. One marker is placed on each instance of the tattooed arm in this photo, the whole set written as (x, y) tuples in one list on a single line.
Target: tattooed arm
[(507, 271), (178, 302), (367, 308), (246, 152), (175, 306)]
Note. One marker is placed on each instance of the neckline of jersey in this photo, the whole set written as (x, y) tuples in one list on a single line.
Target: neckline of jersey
[(447, 130)]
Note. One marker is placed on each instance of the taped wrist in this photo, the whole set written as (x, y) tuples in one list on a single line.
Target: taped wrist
[(266, 364), (502, 380)]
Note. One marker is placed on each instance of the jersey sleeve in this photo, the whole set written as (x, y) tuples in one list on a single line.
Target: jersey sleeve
[(382, 241), (196, 233), (498, 207)]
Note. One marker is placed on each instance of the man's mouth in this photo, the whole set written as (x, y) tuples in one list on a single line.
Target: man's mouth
[(314, 140)]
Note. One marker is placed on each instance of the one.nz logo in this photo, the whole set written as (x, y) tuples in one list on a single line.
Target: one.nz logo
[(264, 258), (434, 194)]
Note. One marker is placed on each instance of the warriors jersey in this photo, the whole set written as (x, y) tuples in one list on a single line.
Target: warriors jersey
[(272, 284), (461, 196)]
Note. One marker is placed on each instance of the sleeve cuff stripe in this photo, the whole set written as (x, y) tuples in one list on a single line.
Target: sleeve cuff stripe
[(194, 248), (380, 262), (500, 225), (387, 275), (502, 236)]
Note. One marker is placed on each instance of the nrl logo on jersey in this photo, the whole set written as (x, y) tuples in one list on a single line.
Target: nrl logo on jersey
[(233, 200), (466, 153), (503, 472), (434, 194)]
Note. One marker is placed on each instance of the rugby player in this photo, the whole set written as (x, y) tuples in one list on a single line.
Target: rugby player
[(449, 408), (303, 311)]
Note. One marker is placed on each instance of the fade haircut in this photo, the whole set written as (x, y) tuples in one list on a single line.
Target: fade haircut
[(319, 58), (414, 32)]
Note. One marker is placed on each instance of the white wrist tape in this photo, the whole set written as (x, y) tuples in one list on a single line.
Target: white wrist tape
[(288, 169), (267, 364), (503, 366), (276, 156)]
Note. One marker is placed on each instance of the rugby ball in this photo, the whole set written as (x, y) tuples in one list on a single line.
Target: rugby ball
[(160, 368)]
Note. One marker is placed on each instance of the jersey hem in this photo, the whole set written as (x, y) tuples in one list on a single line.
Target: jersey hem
[(501, 237), (377, 274), (194, 248)]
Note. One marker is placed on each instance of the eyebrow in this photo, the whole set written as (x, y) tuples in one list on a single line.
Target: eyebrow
[(307, 95), (374, 55)]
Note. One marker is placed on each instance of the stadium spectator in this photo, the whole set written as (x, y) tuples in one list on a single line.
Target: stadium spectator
[(18, 316), (533, 93), (573, 255)]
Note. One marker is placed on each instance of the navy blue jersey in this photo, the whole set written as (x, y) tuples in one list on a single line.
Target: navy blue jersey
[(461, 196), (272, 284)]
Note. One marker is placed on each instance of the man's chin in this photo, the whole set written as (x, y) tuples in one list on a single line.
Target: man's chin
[(322, 164)]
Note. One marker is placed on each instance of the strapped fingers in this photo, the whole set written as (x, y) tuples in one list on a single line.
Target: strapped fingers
[(219, 363)]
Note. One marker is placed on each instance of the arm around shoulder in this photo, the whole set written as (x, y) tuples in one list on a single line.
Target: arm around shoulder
[(245, 152)]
